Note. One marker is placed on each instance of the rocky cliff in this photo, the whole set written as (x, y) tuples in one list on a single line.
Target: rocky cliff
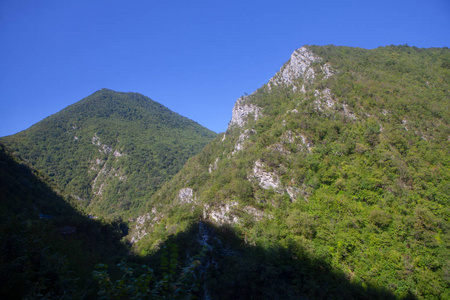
[(331, 157)]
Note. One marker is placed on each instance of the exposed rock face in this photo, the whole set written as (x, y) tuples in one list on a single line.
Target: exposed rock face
[(222, 214), (242, 138), (106, 172), (326, 69), (104, 167), (100, 181), (186, 195), (297, 67), (242, 110), (209, 241), (143, 222), (103, 148), (139, 230), (101, 176), (289, 137), (204, 236), (269, 180), (228, 213), (106, 149), (264, 178), (213, 167), (324, 98)]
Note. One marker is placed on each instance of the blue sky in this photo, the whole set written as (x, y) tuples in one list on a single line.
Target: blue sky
[(194, 57)]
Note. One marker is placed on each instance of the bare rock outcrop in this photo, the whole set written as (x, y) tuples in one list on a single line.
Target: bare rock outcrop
[(298, 66), (221, 214), (103, 148), (241, 111), (101, 179), (186, 195), (327, 71), (213, 166), (289, 137), (139, 231), (144, 224), (241, 140), (326, 100), (265, 179)]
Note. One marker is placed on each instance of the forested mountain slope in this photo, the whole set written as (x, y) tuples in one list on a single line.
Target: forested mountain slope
[(111, 150), (341, 159), (48, 249)]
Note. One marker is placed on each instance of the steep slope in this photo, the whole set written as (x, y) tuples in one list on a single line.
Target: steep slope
[(341, 158), (111, 150), (47, 248)]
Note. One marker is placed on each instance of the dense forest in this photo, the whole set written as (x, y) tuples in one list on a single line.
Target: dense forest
[(51, 250), (350, 171), (111, 150), (48, 249), (331, 182)]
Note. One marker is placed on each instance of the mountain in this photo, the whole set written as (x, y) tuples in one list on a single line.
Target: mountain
[(51, 250), (48, 249), (332, 181), (111, 150)]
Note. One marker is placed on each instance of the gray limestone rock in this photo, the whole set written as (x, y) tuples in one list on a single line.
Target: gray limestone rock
[(297, 67), (265, 179), (186, 195), (242, 110)]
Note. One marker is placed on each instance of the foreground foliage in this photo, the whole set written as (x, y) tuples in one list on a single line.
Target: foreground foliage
[(47, 248), (175, 283)]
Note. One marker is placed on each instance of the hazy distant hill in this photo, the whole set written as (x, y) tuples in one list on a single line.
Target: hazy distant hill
[(340, 164), (111, 150)]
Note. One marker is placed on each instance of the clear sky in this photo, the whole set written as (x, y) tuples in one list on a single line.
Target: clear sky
[(194, 57)]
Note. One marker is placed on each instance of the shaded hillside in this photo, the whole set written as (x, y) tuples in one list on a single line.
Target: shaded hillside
[(47, 248), (342, 157), (111, 150), (209, 262)]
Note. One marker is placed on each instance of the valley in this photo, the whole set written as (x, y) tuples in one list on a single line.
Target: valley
[(331, 181)]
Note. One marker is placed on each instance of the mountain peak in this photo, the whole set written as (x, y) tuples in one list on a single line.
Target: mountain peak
[(299, 66), (297, 72), (333, 170), (96, 148)]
